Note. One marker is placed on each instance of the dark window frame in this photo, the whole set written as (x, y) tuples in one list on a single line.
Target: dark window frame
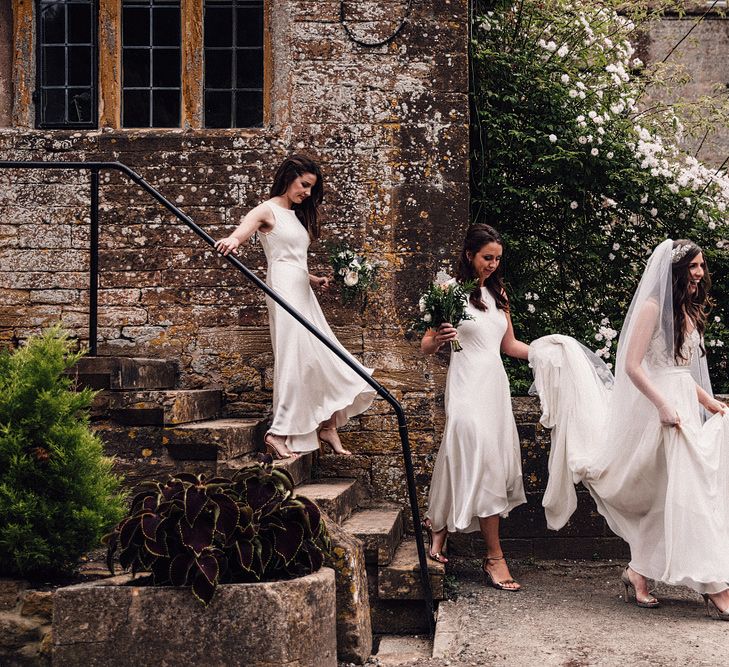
[(234, 90), (151, 48), (39, 88)]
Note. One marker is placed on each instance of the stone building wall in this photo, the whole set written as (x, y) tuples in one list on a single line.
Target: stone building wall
[(390, 128), (702, 55)]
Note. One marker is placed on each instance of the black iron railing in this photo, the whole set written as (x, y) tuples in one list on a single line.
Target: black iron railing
[(94, 168)]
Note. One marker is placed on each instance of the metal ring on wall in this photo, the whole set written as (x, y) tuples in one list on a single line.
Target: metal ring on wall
[(387, 40)]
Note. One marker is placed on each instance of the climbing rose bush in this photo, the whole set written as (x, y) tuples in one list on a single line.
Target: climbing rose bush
[(582, 174)]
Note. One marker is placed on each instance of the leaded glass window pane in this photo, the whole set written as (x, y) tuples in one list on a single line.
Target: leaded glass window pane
[(151, 63), (233, 32), (66, 94)]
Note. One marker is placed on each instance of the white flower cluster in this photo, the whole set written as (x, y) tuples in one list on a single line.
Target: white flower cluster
[(605, 334)]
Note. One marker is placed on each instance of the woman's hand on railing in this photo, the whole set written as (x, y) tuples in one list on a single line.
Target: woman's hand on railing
[(320, 282), (227, 245)]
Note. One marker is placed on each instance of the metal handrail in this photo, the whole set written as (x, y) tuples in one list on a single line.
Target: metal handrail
[(95, 168)]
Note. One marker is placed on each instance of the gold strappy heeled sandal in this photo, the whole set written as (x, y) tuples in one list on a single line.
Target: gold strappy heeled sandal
[(438, 557), (648, 603), (499, 585), (720, 615)]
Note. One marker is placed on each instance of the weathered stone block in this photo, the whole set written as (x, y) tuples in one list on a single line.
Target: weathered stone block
[(175, 406), (380, 531), (354, 628), (220, 439), (400, 580), (16, 631), (109, 623), (10, 593), (38, 603), (335, 497)]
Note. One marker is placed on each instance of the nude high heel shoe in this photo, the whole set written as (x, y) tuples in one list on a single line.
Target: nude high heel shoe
[(274, 449), (720, 615), (648, 603), (499, 585)]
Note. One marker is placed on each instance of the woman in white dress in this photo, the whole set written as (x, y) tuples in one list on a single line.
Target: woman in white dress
[(658, 472), (314, 392), (477, 476)]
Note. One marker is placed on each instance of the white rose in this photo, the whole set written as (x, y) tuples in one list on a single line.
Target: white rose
[(553, 138), (427, 317), (351, 279), (421, 305)]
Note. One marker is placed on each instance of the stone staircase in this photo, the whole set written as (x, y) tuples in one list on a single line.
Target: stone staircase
[(154, 429)]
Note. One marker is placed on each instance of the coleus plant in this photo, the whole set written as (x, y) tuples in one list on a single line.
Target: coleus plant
[(198, 532)]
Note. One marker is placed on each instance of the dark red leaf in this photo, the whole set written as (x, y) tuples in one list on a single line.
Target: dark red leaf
[(260, 495), (195, 500), (228, 515), (199, 536), (128, 532), (172, 489), (157, 547), (245, 551), (179, 568), (203, 589), (286, 542), (313, 514), (208, 565), (150, 523)]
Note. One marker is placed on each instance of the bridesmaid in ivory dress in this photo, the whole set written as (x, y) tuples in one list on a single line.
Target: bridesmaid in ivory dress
[(477, 476), (658, 471), (314, 392)]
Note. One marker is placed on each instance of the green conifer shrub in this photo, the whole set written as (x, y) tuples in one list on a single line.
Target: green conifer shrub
[(58, 495)]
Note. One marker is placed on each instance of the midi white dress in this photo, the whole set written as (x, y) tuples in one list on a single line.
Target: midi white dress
[(478, 469), (310, 384)]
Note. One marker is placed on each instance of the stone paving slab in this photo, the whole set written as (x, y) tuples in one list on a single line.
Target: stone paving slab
[(570, 614)]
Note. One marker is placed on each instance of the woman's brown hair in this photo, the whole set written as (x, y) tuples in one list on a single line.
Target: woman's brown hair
[(477, 237), (685, 305), (291, 168)]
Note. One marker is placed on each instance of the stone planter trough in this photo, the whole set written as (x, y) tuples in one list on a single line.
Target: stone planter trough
[(268, 624)]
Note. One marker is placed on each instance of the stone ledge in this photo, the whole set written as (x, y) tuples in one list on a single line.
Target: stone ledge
[(110, 623)]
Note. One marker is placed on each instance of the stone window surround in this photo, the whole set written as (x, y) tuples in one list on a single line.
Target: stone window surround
[(110, 52)]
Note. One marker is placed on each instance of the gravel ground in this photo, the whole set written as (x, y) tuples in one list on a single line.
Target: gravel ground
[(572, 614)]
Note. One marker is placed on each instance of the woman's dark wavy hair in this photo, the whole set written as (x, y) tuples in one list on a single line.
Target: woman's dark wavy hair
[(685, 305), (477, 237), (292, 167)]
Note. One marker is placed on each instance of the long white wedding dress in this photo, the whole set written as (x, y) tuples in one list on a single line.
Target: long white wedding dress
[(310, 384), (662, 489), (478, 469)]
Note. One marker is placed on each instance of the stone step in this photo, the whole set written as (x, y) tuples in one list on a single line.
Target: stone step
[(172, 406), (124, 373), (380, 530), (216, 440), (400, 580), (337, 497), (299, 468)]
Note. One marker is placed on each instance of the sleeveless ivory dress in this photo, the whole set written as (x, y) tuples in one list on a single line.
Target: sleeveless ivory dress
[(310, 384), (664, 490), (478, 469)]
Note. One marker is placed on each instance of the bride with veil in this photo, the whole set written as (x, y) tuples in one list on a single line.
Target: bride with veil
[(645, 443)]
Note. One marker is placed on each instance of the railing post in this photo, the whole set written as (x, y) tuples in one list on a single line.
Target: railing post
[(94, 263)]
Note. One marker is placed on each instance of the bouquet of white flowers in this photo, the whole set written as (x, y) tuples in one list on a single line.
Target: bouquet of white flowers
[(354, 273), (444, 301)]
